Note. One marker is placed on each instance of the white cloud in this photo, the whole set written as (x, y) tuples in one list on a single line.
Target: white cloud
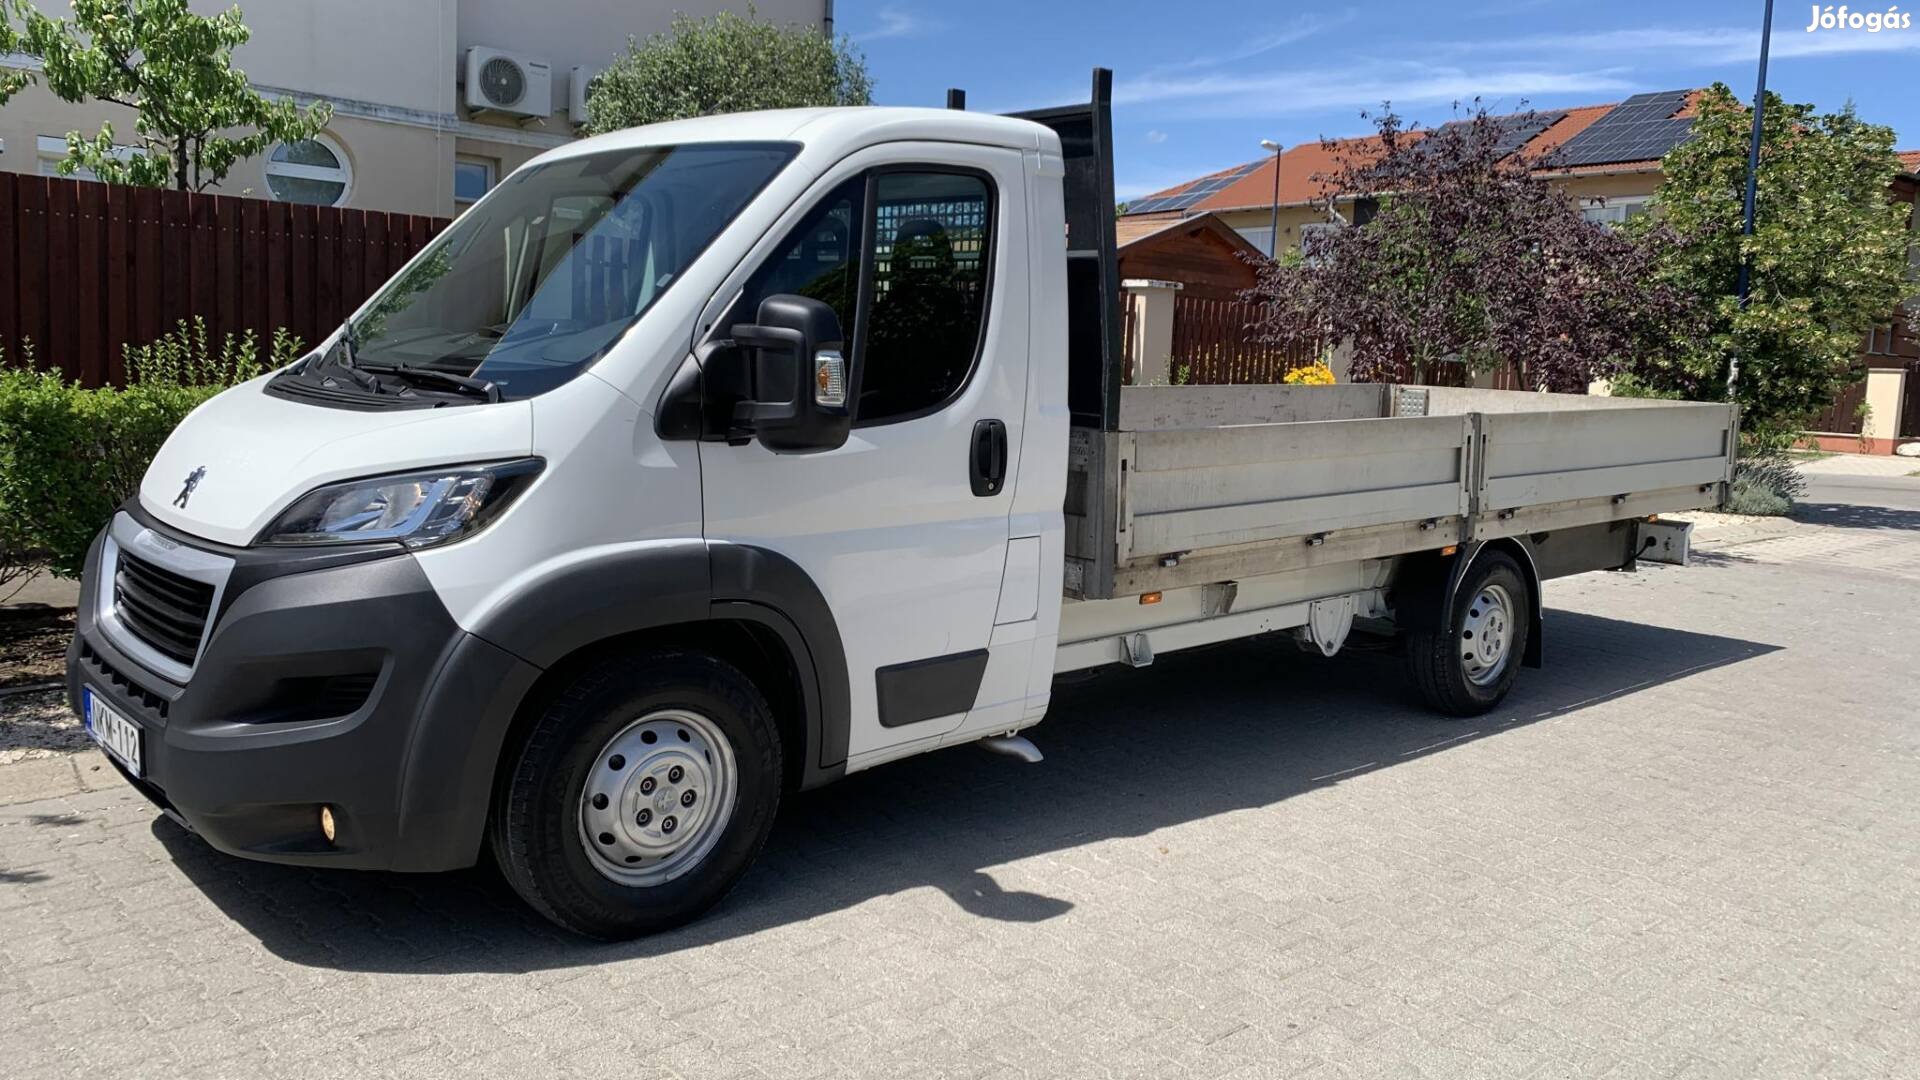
[(897, 23), (1303, 27), (1156, 136), (1352, 86), (1713, 45)]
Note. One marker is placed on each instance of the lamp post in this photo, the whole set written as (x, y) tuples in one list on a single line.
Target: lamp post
[(1743, 286), (1273, 233)]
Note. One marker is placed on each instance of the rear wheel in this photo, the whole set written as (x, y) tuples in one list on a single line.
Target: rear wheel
[(1467, 667), (640, 795)]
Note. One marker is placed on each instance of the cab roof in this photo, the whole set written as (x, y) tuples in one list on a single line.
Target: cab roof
[(833, 130)]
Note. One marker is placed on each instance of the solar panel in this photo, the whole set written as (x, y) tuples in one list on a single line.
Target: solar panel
[(1514, 131), (1194, 192), (1640, 128)]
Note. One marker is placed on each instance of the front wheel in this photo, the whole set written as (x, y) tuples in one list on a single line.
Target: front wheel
[(1466, 668), (640, 795)]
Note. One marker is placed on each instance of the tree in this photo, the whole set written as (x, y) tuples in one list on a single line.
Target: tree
[(1828, 250), (726, 63), (1470, 256), (196, 116)]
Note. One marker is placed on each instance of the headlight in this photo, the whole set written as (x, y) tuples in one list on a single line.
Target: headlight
[(417, 509)]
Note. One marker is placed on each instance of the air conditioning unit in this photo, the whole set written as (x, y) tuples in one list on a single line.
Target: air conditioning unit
[(579, 81), (505, 82)]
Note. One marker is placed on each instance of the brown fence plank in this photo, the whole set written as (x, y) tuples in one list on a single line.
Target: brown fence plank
[(62, 278), (33, 265), (9, 268), (176, 259), (326, 268), (89, 228), (119, 303), (226, 271), (146, 273)]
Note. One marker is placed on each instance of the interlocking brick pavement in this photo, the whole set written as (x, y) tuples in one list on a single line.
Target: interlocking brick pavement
[(1687, 848)]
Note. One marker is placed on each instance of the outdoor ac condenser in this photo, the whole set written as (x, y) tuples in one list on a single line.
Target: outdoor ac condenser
[(505, 82), (579, 81)]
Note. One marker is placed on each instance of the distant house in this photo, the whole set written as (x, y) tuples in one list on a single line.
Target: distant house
[(1607, 157), (411, 132)]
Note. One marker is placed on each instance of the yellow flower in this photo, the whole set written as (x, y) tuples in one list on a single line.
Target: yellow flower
[(1314, 374)]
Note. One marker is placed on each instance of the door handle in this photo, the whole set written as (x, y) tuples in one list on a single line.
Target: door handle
[(987, 457)]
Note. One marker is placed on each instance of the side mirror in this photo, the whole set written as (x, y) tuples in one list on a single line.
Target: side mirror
[(799, 374)]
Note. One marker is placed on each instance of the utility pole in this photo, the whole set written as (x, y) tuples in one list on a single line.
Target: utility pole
[(1743, 287)]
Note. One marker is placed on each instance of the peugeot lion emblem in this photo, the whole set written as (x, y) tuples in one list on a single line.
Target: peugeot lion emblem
[(186, 489)]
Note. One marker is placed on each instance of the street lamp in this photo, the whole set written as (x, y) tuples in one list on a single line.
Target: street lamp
[(1273, 234), (1744, 286)]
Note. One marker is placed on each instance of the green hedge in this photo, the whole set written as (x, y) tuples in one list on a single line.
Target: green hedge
[(70, 455)]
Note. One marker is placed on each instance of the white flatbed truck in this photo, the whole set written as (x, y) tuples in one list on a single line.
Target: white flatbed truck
[(703, 462)]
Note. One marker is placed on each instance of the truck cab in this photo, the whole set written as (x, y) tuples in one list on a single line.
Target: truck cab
[(742, 436)]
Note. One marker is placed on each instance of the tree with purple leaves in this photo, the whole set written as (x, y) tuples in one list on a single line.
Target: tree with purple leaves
[(1470, 256)]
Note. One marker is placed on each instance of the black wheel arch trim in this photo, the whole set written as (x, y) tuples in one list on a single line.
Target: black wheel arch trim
[(1520, 547), (676, 582), (1429, 586)]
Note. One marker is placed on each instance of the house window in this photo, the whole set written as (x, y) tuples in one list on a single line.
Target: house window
[(1260, 236), (51, 150), (472, 178), (313, 171), (1614, 212), (1314, 237), (1880, 340)]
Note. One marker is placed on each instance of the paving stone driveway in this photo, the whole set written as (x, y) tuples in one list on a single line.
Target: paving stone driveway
[(1686, 848)]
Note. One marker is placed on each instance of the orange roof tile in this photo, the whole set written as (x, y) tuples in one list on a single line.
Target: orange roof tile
[(1910, 159), (1300, 165)]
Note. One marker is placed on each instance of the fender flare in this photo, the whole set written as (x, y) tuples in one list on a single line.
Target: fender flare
[(671, 583), (1430, 587)]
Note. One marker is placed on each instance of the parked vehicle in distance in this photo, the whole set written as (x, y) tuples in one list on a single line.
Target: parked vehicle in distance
[(704, 462)]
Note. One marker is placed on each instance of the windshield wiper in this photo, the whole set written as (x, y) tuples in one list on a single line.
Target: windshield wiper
[(477, 387)]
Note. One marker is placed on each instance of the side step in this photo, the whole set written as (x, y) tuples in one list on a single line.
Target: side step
[(1013, 746)]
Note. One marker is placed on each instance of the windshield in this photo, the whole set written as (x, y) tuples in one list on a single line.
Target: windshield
[(540, 278)]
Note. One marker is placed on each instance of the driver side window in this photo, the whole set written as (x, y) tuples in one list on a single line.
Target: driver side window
[(924, 240)]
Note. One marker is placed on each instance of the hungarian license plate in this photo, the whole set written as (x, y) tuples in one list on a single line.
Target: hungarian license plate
[(116, 734)]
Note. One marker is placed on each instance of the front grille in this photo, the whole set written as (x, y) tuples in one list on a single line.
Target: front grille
[(163, 609)]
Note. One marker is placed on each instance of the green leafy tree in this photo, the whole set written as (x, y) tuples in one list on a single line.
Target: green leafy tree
[(726, 63), (196, 115), (1829, 254)]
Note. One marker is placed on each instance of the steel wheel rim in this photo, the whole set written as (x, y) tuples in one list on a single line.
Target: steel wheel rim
[(1486, 635), (657, 798)]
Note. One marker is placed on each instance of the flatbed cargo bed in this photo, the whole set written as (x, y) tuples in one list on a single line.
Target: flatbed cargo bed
[(1199, 484)]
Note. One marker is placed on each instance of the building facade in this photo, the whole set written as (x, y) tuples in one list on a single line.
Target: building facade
[(406, 135)]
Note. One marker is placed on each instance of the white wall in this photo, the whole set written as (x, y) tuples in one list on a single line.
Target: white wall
[(592, 32)]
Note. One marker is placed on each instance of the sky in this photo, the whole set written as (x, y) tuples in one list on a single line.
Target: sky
[(1198, 83)]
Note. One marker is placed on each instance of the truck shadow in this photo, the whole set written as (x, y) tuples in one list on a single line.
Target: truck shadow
[(1242, 725)]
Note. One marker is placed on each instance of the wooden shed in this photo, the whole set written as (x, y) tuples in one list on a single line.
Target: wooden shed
[(1202, 253)]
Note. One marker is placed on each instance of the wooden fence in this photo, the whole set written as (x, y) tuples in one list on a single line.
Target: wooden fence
[(86, 268), (1214, 341)]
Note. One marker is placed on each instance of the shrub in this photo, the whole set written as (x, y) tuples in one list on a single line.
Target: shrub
[(70, 455)]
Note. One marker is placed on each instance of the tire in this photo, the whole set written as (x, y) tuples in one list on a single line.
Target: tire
[(587, 824), (1468, 667)]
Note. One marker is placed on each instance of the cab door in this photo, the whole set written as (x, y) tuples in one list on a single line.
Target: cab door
[(903, 529)]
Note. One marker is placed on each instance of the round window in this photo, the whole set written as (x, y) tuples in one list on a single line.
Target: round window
[(313, 171)]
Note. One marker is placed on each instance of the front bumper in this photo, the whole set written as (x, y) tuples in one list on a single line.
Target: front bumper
[(327, 678)]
